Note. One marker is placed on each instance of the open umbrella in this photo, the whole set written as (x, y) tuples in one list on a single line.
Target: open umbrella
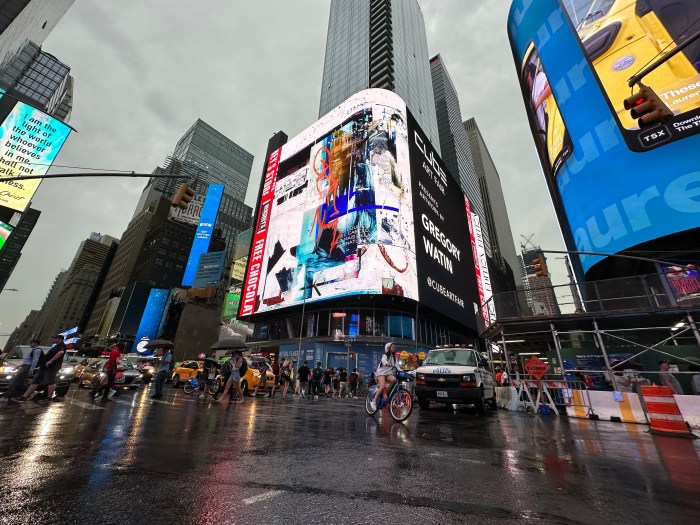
[(229, 344), (158, 343), (212, 361)]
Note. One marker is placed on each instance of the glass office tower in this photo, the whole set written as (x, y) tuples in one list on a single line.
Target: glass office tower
[(379, 44)]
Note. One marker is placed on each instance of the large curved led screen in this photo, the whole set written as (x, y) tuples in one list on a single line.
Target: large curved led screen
[(614, 185), (360, 203)]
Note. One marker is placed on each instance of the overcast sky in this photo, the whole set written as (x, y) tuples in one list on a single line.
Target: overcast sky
[(145, 71)]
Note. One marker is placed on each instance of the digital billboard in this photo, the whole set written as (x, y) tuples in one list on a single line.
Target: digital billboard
[(360, 203), (29, 142), (5, 231), (202, 236), (618, 186), (209, 269), (152, 317)]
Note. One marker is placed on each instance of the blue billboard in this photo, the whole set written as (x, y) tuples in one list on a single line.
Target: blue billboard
[(152, 316), (614, 185), (204, 230)]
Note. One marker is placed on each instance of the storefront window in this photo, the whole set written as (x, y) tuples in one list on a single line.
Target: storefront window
[(367, 323), (338, 324)]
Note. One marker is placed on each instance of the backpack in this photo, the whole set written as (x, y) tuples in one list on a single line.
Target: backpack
[(227, 368), (244, 366)]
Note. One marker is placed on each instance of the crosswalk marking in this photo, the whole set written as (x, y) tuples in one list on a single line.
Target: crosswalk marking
[(260, 497)]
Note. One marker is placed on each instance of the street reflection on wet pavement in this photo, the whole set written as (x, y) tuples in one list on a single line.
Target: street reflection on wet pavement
[(182, 459)]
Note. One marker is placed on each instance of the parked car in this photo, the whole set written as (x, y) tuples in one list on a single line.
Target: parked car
[(185, 371), (13, 361), (79, 366)]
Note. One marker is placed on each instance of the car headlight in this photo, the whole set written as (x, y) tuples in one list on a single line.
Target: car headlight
[(420, 376), (67, 370), (8, 369), (469, 377)]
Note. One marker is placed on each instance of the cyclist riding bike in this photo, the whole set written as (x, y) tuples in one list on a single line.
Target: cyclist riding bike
[(385, 374)]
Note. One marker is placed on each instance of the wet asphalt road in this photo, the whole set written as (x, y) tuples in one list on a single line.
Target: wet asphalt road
[(187, 460)]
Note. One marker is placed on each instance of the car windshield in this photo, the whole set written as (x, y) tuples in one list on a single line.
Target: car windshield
[(450, 357), (22, 351), (126, 365)]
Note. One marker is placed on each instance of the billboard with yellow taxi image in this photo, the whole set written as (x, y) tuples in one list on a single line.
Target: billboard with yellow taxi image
[(621, 37)]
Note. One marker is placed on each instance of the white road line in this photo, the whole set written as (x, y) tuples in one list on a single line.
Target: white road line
[(88, 406), (261, 497)]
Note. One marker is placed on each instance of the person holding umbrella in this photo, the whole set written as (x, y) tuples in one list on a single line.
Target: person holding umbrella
[(166, 360), (238, 367)]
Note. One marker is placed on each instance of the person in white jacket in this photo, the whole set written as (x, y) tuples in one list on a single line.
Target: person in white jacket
[(385, 374)]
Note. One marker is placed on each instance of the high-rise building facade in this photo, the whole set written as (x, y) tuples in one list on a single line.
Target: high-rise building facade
[(205, 156), (12, 249), (23, 21), (504, 267), (538, 290), (454, 143), (379, 44), (124, 262), (40, 79), (81, 279)]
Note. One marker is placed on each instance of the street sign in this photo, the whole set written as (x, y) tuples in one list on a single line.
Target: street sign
[(403, 355), (536, 367)]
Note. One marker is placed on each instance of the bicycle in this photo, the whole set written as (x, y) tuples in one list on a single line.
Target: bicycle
[(399, 399), (194, 385)]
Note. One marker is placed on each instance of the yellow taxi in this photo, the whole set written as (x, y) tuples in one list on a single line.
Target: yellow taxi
[(185, 371)]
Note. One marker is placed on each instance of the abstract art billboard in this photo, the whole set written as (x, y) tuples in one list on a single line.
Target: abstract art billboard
[(342, 207), (29, 143), (614, 185)]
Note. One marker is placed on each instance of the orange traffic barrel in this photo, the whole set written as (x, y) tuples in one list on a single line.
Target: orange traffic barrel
[(664, 415)]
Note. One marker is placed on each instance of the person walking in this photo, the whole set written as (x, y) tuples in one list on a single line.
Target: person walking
[(208, 374), (286, 375), (226, 370), (262, 382), (30, 364), (238, 367), (327, 380), (303, 377), (343, 376), (316, 378), (162, 372), (48, 370), (111, 367), (276, 371), (353, 380)]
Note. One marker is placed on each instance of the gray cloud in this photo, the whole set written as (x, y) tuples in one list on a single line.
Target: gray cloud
[(145, 71)]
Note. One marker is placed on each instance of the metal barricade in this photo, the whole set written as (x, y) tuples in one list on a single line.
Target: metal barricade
[(556, 396)]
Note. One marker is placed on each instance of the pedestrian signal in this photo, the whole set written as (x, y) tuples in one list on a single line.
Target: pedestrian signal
[(647, 108), (183, 196)]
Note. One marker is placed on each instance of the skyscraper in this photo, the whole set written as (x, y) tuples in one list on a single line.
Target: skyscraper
[(40, 79), (504, 267), (206, 156), (124, 262), (78, 290), (22, 21), (538, 290), (456, 150), (12, 249), (379, 44)]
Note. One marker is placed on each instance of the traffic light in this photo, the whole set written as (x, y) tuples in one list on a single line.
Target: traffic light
[(183, 196), (540, 266), (647, 107)]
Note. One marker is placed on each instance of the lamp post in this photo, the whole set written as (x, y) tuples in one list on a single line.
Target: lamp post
[(348, 345)]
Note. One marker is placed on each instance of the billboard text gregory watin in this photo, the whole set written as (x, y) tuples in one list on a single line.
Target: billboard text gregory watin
[(618, 186), (340, 214)]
